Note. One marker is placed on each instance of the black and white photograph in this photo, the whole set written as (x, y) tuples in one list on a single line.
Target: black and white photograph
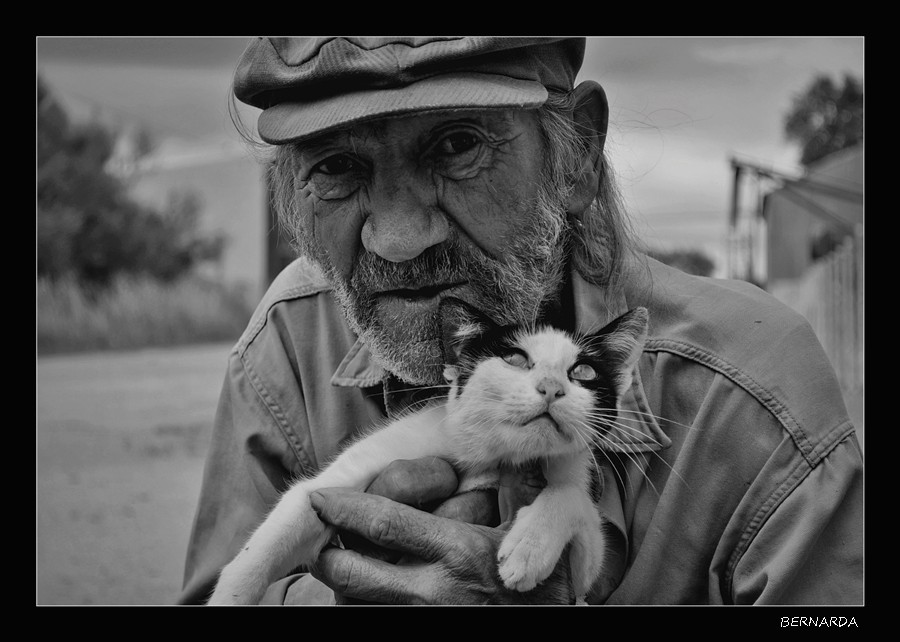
[(451, 321)]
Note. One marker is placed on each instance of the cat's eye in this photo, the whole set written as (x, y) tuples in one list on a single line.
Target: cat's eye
[(582, 372), (517, 358)]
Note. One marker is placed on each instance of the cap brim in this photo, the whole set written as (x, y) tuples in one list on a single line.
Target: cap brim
[(293, 121)]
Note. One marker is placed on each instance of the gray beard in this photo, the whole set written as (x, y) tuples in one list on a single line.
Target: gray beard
[(511, 290)]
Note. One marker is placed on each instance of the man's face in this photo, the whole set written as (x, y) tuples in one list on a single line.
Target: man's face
[(405, 211)]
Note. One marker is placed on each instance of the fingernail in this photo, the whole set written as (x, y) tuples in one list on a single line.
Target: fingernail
[(316, 500)]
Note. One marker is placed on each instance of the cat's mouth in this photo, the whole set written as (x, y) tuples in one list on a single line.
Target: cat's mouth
[(544, 421)]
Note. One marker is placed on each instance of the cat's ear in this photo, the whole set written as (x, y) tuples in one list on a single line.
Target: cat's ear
[(451, 375), (461, 324), (621, 343)]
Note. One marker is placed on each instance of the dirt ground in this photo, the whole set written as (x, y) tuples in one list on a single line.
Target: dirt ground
[(120, 444)]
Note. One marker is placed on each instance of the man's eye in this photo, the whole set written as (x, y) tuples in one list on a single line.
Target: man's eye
[(457, 143), (582, 372), (336, 165), (517, 358)]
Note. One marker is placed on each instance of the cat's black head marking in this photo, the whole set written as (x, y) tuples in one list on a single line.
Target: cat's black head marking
[(470, 337)]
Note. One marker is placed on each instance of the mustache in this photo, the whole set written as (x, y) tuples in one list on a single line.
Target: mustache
[(448, 262)]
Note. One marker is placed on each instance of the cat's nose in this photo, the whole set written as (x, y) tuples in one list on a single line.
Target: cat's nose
[(550, 389)]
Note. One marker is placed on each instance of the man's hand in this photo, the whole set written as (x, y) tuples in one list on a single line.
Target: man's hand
[(427, 484), (449, 556)]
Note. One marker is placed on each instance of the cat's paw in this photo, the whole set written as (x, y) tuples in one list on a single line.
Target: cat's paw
[(527, 556)]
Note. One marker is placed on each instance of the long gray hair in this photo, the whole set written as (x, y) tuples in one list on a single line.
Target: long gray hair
[(602, 236)]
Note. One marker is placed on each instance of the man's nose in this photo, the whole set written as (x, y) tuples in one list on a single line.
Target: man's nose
[(402, 221)]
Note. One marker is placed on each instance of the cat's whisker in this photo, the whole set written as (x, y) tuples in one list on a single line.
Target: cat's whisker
[(598, 470), (673, 471), (592, 452), (604, 445), (659, 418), (630, 431), (625, 429), (632, 456), (627, 450), (616, 419), (616, 426), (610, 422), (494, 393), (606, 454), (593, 442), (442, 387)]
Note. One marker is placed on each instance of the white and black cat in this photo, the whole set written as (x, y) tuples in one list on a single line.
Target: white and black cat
[(515, 395)]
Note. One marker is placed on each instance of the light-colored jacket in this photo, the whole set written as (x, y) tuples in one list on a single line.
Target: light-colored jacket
[(737, 477)]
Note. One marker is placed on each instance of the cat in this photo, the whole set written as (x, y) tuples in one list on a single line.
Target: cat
[(515, 395)]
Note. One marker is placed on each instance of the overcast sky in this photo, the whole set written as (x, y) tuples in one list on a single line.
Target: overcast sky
[(680, 107)]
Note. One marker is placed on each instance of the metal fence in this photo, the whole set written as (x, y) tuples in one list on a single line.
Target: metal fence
[(831, 295)]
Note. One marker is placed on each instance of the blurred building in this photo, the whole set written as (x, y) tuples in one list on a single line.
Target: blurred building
[(802, 238), (809, 217)]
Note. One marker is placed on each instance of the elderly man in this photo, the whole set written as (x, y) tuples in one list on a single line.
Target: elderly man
[(411, 169)]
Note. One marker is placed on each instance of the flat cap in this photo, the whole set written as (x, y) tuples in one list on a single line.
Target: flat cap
[(309, 86)]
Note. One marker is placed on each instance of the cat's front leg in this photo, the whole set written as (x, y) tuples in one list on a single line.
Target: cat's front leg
[(290, 536), (534, 543), (588, 552), (293, 535), (531, 549), (563, 512)]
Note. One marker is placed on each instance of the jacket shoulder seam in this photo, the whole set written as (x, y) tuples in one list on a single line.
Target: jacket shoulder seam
[(261, 316), (812, 453)]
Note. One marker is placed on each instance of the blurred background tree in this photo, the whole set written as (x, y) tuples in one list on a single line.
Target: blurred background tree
[(87, 225), (113, 273), (826, 117)]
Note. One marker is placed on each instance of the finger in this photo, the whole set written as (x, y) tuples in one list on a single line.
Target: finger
[(473, 507), (416, 482), (421, 483), (362, 545), (519, 487), (358, 577), (386, 523)]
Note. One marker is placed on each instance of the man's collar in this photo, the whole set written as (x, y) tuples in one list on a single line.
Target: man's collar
[(358, 369), (637, 428)]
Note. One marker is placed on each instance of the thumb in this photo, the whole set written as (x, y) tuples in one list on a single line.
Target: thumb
[(519, 486)]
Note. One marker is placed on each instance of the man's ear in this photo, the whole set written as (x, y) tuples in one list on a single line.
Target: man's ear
[(591, 116)]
